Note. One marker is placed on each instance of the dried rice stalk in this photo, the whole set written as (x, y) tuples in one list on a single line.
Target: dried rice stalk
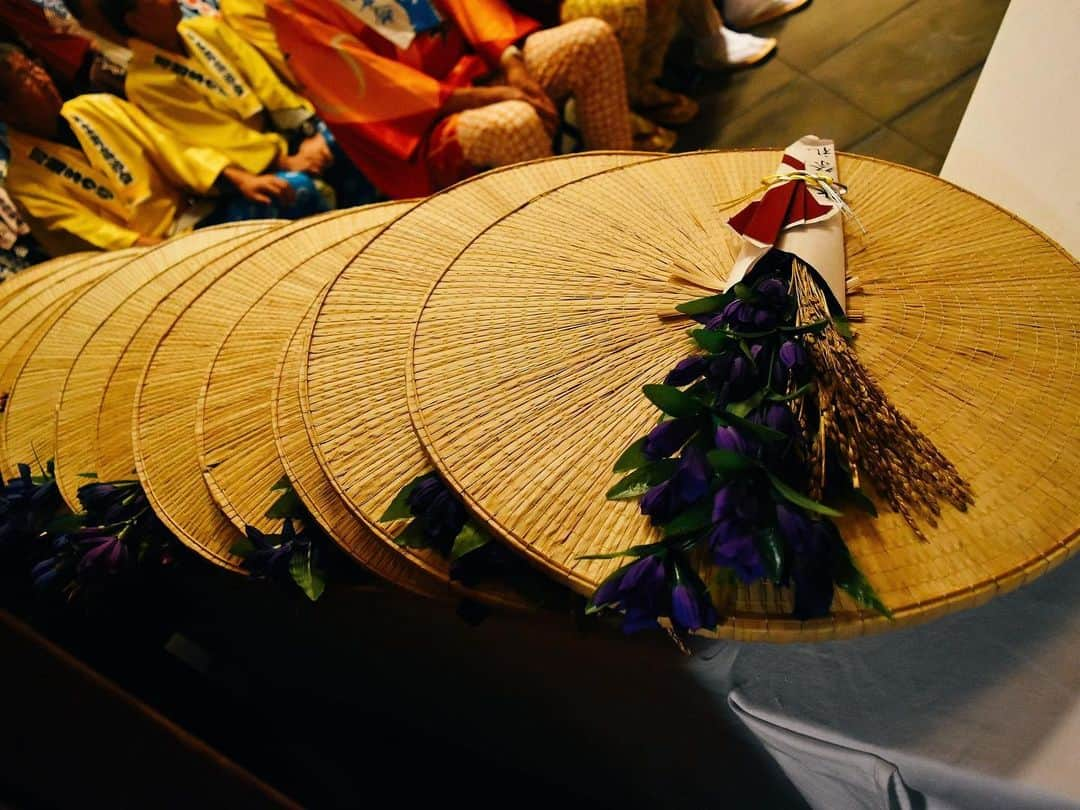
[(857, 419)]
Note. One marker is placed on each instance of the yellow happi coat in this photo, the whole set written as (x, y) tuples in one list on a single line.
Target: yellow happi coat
[(248, 19), (222, 95), (130, 178)]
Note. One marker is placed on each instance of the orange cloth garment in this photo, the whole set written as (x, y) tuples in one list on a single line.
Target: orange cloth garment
[(382, 102)]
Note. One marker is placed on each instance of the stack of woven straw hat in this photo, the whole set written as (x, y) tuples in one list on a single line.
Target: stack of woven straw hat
[(500, 333)]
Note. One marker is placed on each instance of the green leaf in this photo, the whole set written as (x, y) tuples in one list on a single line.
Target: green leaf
[(851, 580), (640, 480), (242, 548), (711, 341), (413, 536), (862, 500), (744, 292), (87, 475), (304, 573), (816, 326), (673, 401), (287, 505), (399, 507), (633, 551), (632, 457), (468, 539), (727, 461), (803, 389), (747, 405), (704, 306), (65, 524), (771, 547), (693, 519), (843, 326), (797, 498), (761, 431)]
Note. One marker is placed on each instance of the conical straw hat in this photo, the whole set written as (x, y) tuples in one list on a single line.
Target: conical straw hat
[(166, 454), (313, 487), (531, 352), (29, 424), (236, 448), (14, 287), (167, 267), (353, 388), (127, 340), (35, 310)]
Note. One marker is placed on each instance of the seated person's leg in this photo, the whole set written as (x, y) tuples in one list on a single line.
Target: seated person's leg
[(582, 59), (500, 134)]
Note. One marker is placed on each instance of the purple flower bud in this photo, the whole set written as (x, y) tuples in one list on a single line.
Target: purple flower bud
[(792, 355), (732, 546), (778, 417), (773, 291), (728, 438), (667, 437), (690, 609), (764, 319), (657, 504), (793, 526), (647, 573), (688, 370), (723, 503), (691, 478)]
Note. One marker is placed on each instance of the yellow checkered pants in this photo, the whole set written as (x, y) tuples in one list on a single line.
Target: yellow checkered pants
[(644, 29), (580, 59)]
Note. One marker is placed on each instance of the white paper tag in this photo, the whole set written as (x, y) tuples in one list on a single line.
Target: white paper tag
[(819, 243)]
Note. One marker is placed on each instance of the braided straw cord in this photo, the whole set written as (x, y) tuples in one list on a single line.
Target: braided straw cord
[(82, 392), (529, 357), (353, 388), (313, 487), (166, 455), (236, 448), (35, 309)]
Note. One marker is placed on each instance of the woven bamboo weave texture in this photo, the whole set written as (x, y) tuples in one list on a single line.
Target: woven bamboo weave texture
[(314, 488), (37, 308), (353, 388), (166, 403), (529, 357)]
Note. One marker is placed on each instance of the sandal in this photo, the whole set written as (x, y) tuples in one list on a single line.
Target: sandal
[(648, 137), (666, 107)]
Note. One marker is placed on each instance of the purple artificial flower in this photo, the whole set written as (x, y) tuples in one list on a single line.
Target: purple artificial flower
[(732, 545), (104, 556), (792, 355), (773, 293), (776, 416), (667, 437), (729, 438), (644, 593), (688, 484), (45, 572), (764, 319), (441, 514), (98, 496), (691, 606), (687, 370), (793, 525), (738, 500)]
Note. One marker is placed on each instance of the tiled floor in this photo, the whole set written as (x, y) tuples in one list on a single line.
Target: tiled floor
[(888, 78)]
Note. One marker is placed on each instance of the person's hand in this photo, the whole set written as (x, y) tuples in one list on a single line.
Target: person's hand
[(260, 188), (148, 241), (313, 156), (517, 76)]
